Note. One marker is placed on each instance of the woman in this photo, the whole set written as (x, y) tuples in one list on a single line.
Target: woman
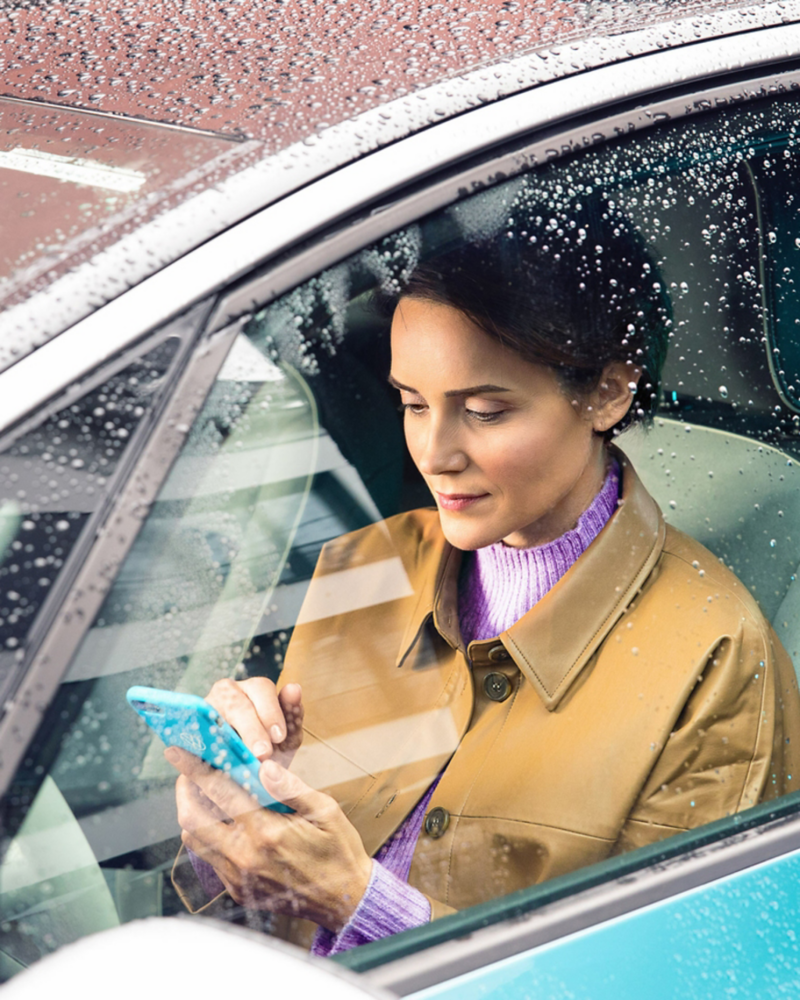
[(547, 674)]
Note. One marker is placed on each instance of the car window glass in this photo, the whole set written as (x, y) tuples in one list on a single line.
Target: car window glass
[(300, 442), (54, 478), (771, 175)]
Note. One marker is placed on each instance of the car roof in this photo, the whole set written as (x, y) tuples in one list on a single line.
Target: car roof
[(199, 67), (286, 69)]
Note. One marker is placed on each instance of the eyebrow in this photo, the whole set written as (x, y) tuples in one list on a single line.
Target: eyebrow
[(472, 390)]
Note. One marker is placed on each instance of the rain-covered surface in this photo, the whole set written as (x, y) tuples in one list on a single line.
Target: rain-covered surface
[(323, 83), (279, 71), (53, 479), (68, 178)]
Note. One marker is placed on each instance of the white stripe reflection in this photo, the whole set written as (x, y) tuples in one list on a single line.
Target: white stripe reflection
[(355, 588)]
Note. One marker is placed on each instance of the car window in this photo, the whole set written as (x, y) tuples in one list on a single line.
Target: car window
[(55, 478), (300, 443)]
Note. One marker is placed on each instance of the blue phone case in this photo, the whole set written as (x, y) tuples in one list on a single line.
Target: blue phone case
[(189, 722)]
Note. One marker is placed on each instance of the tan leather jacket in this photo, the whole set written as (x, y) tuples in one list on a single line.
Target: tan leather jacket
[(648, 695)]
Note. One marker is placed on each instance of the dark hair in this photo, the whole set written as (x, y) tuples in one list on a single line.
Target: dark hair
[(574, 290)]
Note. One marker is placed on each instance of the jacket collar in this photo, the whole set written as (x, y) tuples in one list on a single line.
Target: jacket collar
[(553, 642)]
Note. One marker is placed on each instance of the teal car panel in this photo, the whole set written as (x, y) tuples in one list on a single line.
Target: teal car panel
[(737, 937)]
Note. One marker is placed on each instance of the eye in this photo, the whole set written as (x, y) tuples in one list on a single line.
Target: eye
[(484, 416), (416, 408)]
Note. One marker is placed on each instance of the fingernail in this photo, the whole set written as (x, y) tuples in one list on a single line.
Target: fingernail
[(276, 734), (272, 770), (172, 755), (260, 748)]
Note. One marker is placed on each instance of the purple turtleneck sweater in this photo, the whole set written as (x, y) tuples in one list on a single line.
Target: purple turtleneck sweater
[(498, 586)]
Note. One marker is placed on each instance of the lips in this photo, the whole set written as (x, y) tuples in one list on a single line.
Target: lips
[(459, 501)]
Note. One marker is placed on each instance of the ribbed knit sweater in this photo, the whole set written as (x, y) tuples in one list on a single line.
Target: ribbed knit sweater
[(498, 585)]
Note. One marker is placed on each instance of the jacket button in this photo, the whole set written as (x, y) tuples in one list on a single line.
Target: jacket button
[(436, 822), (498, 653), (497, 686)]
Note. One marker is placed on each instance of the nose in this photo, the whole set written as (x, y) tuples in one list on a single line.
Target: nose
[(440, 451)]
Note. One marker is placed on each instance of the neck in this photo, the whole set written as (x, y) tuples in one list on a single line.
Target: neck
[(501, 583)]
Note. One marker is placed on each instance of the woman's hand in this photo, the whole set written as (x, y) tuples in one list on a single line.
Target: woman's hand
[(269, 722), (310, 863)]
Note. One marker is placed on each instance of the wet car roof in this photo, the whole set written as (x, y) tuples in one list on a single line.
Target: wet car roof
[(283, 70), (115, 171), (255, 102)]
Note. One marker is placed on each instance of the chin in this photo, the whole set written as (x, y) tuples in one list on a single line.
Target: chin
[(466, 537)]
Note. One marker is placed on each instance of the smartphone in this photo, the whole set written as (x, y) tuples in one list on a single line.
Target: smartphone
[(189, 722)]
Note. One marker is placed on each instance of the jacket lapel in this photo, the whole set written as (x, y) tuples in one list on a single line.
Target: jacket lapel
[(554, 641)]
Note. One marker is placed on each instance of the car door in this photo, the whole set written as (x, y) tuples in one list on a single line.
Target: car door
[(268, 429)]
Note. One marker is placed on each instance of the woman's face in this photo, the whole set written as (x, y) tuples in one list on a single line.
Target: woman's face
[(505, 451)]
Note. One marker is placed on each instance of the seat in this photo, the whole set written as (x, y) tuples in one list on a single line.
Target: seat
[(739, 497)]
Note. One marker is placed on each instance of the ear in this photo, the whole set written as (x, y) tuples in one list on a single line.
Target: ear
[(612, 397)]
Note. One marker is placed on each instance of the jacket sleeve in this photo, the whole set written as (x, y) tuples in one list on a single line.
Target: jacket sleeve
[(735, 742)]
